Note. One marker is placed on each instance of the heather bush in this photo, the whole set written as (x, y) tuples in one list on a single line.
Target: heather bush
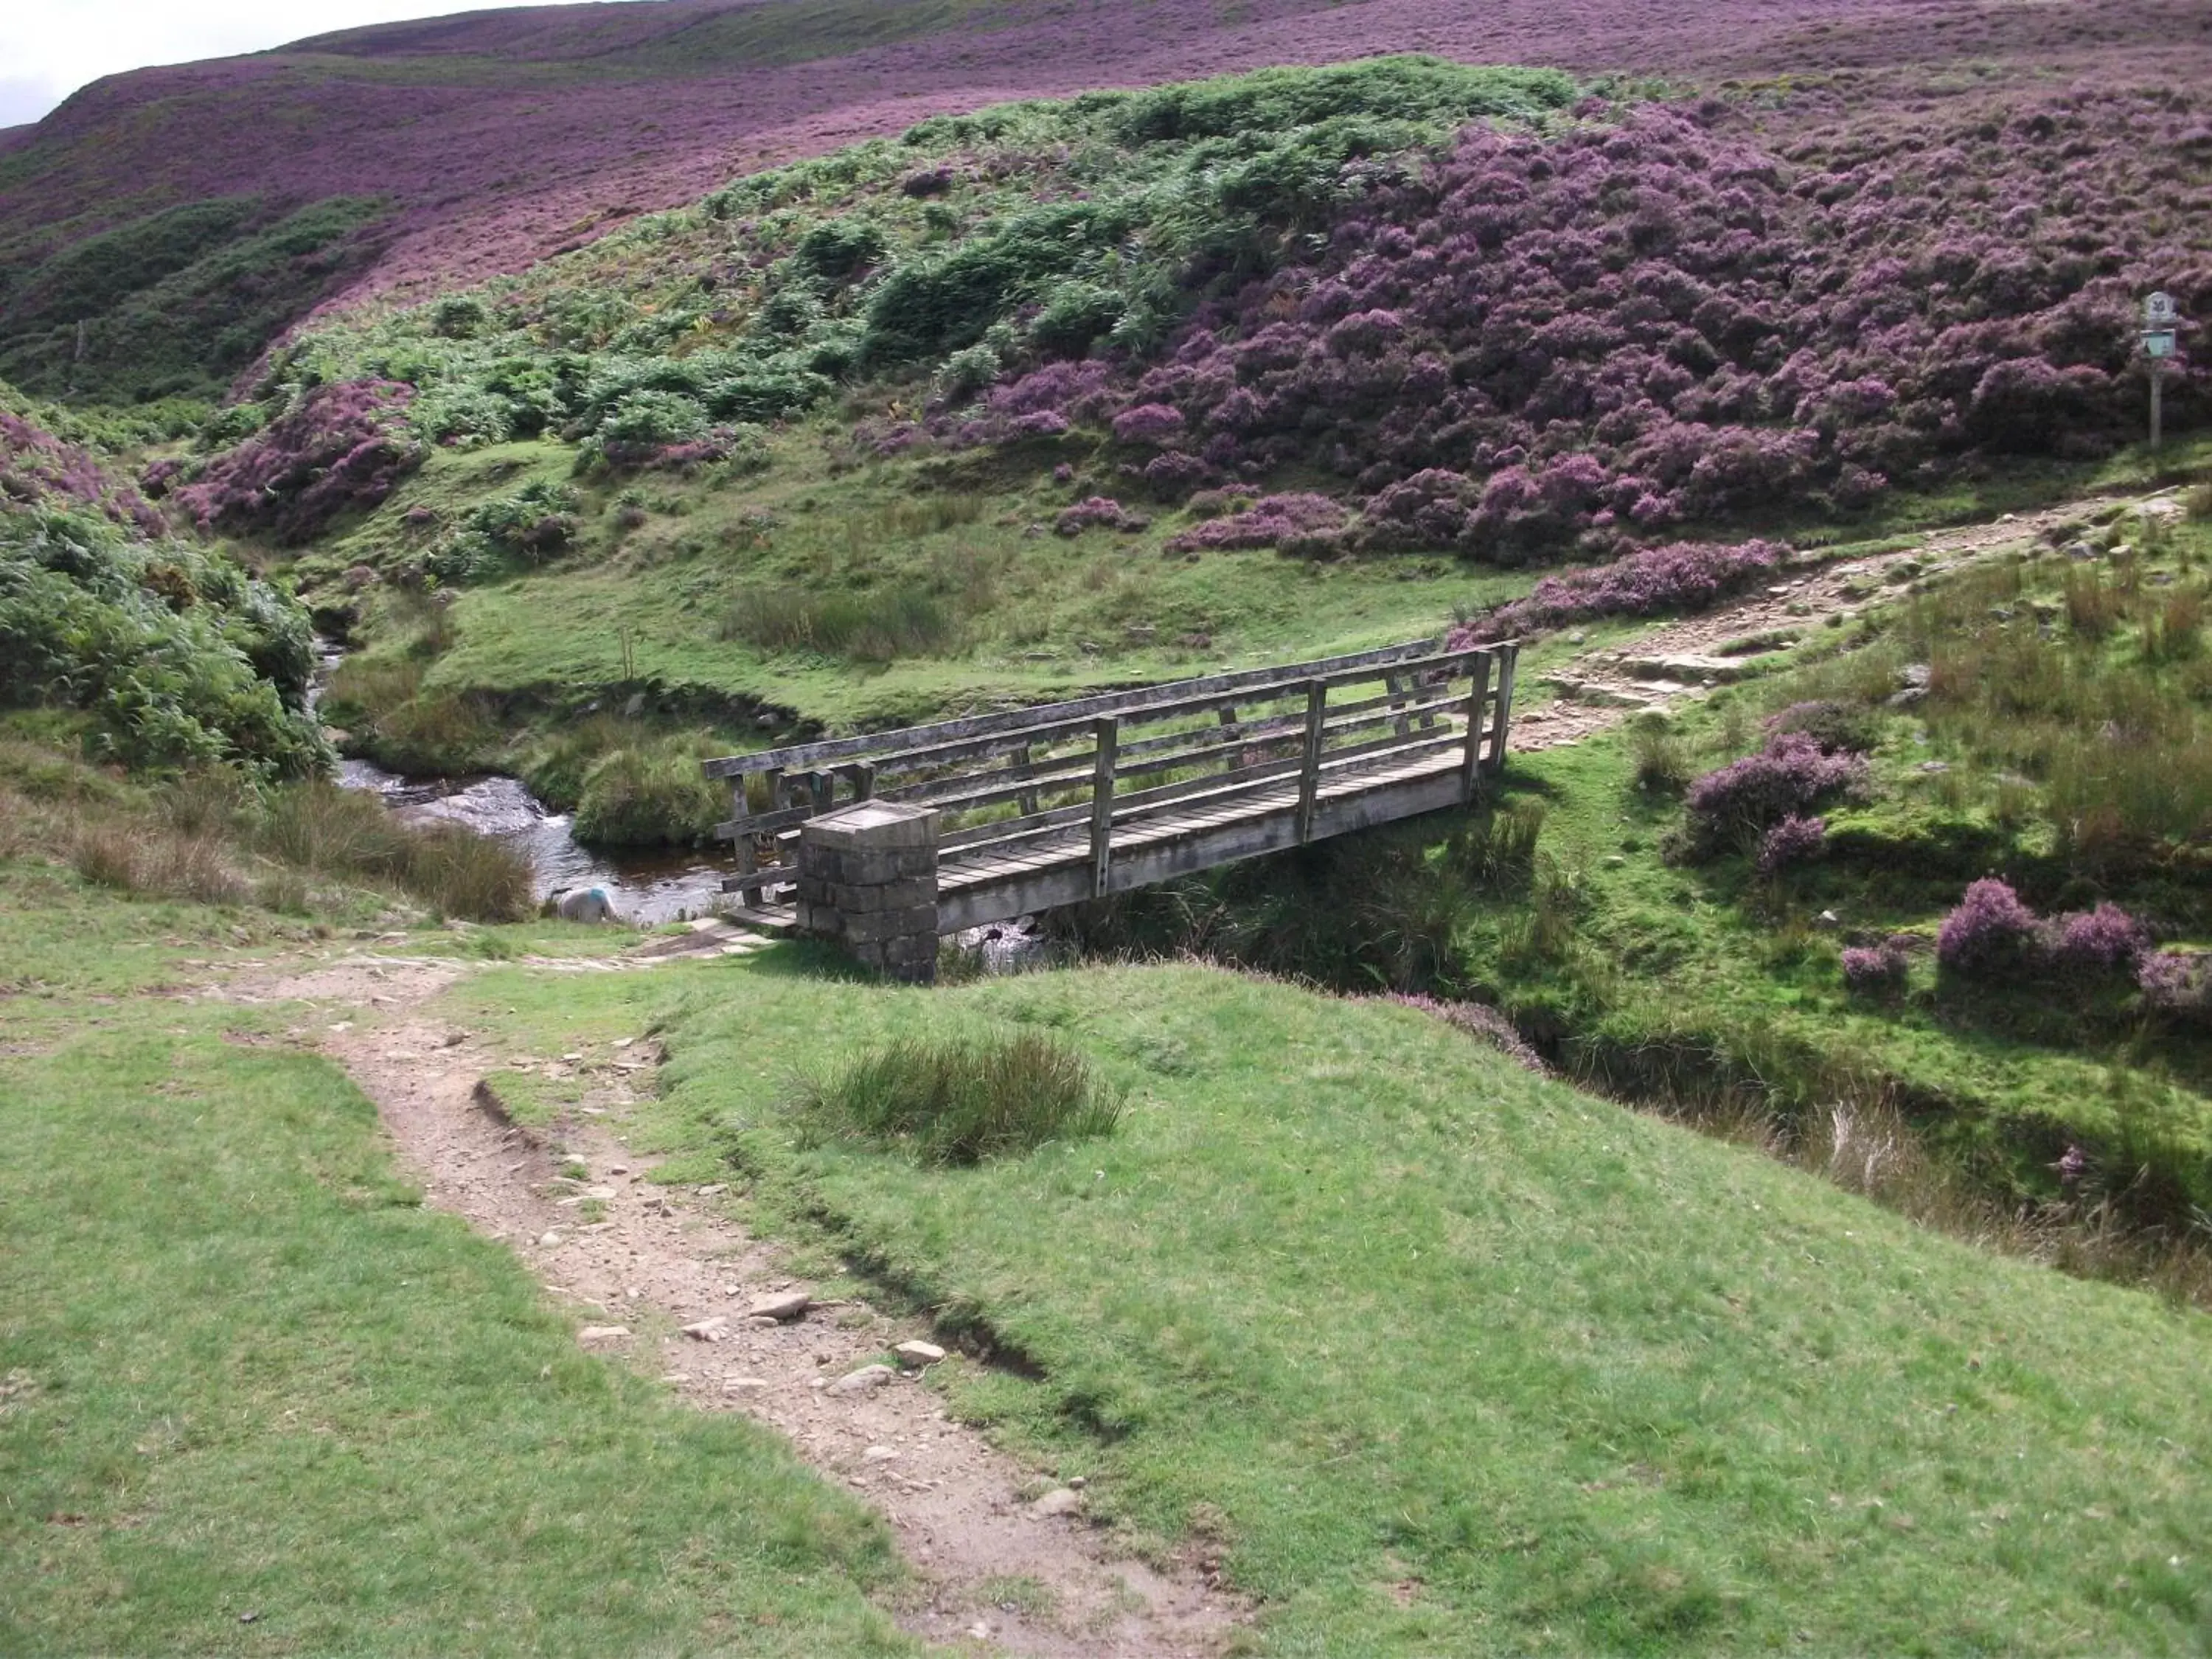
[(2178, 984), (1788, 779), (2099, 943), (1149, 423), (1793, 840), (341, 448), (1270, 521), (1678, 578), (1096, 512), (1874, 969), (40, 469), (1990, 934)]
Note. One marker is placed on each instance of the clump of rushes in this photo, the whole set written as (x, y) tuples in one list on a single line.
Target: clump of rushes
[(960, 1102)]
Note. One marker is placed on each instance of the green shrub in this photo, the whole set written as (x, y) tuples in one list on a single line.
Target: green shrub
[(182, 658), (650, 796), (952, 1102)]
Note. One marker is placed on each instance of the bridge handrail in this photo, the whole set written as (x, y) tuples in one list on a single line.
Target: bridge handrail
[(1084, 759), (920, 741)]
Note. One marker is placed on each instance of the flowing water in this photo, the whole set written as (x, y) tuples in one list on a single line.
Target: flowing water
[(643, 886)]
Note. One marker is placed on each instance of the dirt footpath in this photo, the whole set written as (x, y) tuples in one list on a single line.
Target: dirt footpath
[(1686, 658), (1003, 1560)]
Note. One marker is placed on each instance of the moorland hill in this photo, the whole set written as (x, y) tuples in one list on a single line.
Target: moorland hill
[(161, 226)]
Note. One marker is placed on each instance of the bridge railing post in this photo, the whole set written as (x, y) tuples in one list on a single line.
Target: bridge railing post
[(1506, 655), (1470, 764), (1310, 763), (1108, 731)]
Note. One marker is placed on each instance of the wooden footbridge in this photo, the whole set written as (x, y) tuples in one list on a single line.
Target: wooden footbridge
[(1049, 805)]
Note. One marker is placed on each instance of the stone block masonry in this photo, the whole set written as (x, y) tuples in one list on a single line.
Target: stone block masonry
[(867, 880)]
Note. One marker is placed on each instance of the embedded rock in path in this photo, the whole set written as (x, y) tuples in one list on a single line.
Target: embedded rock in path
[(594, 1334), (1687, 666), (790, 1305), (919, 1353), (707, 1330), (1060, 1500), (866, 1378)]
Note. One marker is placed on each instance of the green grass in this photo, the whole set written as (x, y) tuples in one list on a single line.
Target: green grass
[(1438, 1357), (846, 561), (959, 1102), (246, 1375)]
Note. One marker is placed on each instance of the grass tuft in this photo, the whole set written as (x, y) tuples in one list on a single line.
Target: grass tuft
[(951, 1102), (903, 619)]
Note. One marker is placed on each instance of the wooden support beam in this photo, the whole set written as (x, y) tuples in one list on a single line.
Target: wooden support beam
[(1470, 766), (1309, 764), (1506, 655), (1108, 733), (1022, 769)]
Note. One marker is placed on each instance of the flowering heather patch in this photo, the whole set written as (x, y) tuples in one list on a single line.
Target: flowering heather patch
[(1788, 778), (1270, 521), (38, 469), (1555, 341), (1874, 969), (2179, 984), (1793, 840), (343, 447), (1990, 933), (2095, 943), (1481, 1022), (1681, 578), (1149, 423), (503, 137), (1099, 512)]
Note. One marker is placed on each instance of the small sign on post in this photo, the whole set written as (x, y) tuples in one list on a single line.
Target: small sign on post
[(2160, 322)]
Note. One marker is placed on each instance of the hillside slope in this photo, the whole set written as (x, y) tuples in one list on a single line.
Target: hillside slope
[(461, 148)]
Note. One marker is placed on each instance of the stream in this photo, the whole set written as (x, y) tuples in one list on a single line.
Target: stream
[(644, 886)]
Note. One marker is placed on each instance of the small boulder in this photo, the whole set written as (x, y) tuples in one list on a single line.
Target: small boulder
[(865, 1380), (783, 1308), (919, 1353), (1060, 1500), (591, 1335), (707, 1330)]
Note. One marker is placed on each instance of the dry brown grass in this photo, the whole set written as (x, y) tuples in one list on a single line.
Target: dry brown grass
[(153, 862)]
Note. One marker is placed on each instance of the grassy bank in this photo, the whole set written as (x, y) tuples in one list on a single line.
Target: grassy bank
[(258, 1400), (1434, 1355)]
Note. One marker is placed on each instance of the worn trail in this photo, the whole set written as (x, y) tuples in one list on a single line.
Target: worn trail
[(665, 1277), (1687, 657)]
